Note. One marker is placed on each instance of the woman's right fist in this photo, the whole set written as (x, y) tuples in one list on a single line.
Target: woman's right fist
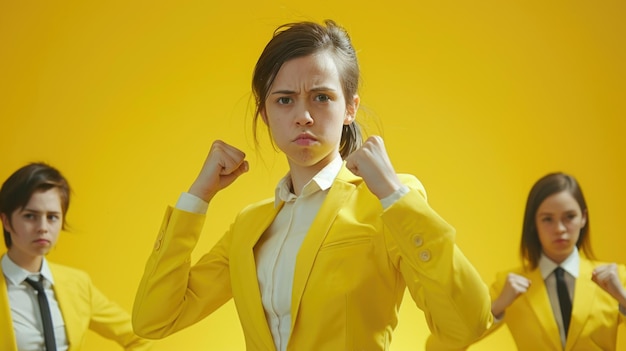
[(222, 166)]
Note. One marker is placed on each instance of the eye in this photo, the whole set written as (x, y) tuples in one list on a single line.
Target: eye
[(284, 100), (29, 215), (322, 98), (546, 219), (53, 218)]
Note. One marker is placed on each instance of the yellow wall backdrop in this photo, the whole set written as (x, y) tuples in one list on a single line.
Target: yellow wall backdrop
[(478, 99)]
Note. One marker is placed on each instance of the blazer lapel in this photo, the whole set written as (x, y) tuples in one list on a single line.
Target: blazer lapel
[(243, 268), (7, 341), (584, 293), (67, 305), (537, 299), (341, 189)]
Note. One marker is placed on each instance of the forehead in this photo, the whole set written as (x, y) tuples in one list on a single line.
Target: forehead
[(45, 201), (561, 201), (318, 69)]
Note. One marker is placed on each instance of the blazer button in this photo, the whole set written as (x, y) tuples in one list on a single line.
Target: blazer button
[(418, 240), (425, 255), (157, 244)]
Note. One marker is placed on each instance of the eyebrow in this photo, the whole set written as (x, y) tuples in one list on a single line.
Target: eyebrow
[(315, 89), (552, 213), (39, 212)]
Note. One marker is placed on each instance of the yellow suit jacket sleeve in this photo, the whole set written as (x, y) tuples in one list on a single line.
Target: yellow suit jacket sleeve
[(443, 283), (83, 307), (184, 294), (351, 273)]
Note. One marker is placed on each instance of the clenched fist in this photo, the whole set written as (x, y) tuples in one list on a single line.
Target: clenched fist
[(372, 163), (222, 166)]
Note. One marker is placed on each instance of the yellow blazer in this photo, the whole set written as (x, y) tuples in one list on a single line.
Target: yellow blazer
[(595, 314), (83, 307), (350, 276)]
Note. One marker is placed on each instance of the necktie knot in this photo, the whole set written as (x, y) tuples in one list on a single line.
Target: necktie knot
[(36, 284), (559, 271)]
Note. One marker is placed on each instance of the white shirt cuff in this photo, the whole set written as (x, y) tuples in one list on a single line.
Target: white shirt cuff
[(192, 203), (395, 196)]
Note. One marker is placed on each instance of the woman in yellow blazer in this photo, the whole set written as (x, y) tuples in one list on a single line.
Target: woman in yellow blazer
[(325, 263), (556, 234), (33, 203)]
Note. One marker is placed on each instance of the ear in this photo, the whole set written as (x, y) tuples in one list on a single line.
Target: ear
[(5, 222), (351, 110), (584, 218)]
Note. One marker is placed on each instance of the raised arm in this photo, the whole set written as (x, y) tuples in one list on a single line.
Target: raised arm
[(172, 293)]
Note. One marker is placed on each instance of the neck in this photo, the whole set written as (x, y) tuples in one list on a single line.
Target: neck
[(300, 175)]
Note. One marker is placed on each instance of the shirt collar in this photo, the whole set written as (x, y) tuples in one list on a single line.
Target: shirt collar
[(320, 182), (571, 264), (16, 274)]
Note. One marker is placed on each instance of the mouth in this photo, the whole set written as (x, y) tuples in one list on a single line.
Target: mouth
[(42, 242), (304, 139)]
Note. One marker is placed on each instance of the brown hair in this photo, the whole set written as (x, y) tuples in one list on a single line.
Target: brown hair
[(300, 39), (550, 184), (23, 183)]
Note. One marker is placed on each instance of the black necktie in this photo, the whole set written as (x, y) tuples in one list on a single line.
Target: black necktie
[(564, 300), (46, 317)]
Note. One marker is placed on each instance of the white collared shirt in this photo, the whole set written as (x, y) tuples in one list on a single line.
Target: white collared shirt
[(277, 250), (571, 265), (24, 305)]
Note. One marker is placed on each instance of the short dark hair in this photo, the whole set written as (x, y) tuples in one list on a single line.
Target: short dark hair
[(23, 183), (550, 184)]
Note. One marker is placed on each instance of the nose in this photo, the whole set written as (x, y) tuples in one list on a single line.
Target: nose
[(42, 225), (303, 116), (561, 227)]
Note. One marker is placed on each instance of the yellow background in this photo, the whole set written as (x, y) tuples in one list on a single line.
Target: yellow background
[(478, 99)]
